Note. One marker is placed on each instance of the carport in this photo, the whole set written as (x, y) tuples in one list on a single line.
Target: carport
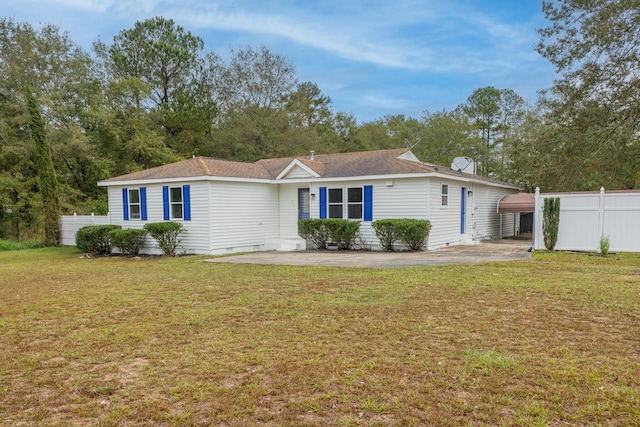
[(515, 204)]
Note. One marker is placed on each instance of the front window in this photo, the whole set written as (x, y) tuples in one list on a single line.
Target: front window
[(354, 202), (445, 195), (335, 203), (175, 198), (134, 203)]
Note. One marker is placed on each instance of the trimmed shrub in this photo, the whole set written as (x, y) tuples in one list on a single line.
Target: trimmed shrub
[(342, 232), (550, 221), (322, 232), (413, 232), (314, 231), (129, 241), (386, 232), (94, 239), (166, 234)]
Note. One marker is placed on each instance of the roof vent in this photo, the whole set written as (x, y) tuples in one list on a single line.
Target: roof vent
[(312, 155)]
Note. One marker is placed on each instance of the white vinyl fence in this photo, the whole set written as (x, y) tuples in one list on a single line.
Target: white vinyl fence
[(586, 217), (71, 223)]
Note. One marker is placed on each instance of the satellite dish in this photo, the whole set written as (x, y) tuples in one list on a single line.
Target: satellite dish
[(410, 145), (463, 164)]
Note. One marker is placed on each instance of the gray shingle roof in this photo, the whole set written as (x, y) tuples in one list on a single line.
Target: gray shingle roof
[(340, 165), (196, 167)]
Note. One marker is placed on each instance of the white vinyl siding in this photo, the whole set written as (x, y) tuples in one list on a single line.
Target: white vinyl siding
[(194, 240), (288, 206), (397, 198), (244, 216), (297, 172), (486, 220), (482, 221), (445, 220)]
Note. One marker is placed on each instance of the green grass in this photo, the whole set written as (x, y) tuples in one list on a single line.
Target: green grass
[(176, 341), (9, 245)]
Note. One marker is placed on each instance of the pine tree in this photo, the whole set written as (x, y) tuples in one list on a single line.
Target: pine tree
[(46, 171)]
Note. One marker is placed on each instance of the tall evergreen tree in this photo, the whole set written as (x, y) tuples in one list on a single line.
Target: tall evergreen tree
[(46, 171)]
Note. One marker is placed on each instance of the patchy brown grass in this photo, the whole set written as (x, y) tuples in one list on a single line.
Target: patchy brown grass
[(175, 341)]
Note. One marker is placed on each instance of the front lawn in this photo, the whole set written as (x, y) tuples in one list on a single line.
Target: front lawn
[(176, 341)]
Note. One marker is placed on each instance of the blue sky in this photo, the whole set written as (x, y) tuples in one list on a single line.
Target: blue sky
[(371, 58)]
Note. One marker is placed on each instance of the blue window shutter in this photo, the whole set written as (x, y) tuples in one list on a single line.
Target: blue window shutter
[(368, 202), (165, 202), (186, 200), (143, 203), (125, 204), (323, 202)]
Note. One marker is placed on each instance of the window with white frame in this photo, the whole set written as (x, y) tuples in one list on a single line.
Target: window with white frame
[(354, 203), (353, 207), (335, 203), (445, 195), (134, 203), (176, 202)]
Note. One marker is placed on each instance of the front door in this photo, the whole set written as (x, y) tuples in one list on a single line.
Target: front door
[(303, 204), (463, 210)]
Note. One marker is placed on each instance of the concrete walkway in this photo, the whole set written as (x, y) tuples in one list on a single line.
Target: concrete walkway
[(490, 251)]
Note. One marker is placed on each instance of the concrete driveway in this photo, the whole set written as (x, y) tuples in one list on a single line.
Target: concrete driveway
[(490, 251)]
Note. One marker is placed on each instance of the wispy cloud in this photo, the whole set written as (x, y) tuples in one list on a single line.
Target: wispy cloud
[(403, 35), (377, 55), (409, 35)]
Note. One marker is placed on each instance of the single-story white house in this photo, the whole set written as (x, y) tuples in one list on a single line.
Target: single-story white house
[(229, 207)]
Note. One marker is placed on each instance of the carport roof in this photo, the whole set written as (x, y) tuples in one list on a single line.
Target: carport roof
[(517, 203)]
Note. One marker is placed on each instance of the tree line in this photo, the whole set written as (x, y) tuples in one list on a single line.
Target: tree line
[(154, 95)]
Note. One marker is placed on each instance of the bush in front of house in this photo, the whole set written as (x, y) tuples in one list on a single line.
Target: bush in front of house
[(129, 241), (323, 232), (411, 232), (94, 239), (386, 232), (342, 232), (314, 231), (166, 234)]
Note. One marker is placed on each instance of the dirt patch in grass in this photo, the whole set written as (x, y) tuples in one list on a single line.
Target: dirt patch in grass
[(175, 341)]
